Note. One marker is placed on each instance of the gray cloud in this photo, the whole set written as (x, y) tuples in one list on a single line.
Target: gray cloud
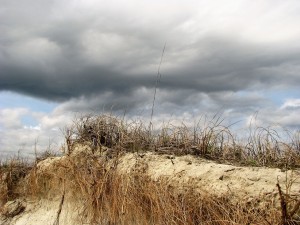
[(92, 54), (227, 68)]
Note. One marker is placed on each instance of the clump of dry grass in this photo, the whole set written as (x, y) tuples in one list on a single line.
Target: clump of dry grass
[(103, 195), (109, 131), (11, 172), (265, 148), (18, 176), (212, 140)]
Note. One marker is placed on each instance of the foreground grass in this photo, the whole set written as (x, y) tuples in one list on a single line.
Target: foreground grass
[(103, 195), (92, 179)]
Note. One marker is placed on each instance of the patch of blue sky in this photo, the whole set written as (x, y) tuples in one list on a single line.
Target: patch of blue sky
[(29, 121), (278, 97), (13, 100)]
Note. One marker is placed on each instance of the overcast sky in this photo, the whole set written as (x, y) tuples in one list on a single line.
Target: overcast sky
[(59, 58)]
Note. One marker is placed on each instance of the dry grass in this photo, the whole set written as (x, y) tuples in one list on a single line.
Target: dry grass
[(104, 196), (12, 171), (212, 140)]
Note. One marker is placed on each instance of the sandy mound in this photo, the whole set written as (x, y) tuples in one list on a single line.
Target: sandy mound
[(213, 177), (245, 183)]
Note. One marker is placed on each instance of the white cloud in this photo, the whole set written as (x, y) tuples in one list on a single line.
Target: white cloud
[(11, 118), (291, 104), (23, 138), (32, 127)]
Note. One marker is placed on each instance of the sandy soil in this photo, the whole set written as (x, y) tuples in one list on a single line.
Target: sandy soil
[(245, 183), (44, 212)]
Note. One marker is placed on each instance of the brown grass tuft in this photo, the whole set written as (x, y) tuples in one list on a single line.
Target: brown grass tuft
[(103, 195)]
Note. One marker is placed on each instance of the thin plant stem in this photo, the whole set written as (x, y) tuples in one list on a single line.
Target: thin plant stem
[(158, 77)]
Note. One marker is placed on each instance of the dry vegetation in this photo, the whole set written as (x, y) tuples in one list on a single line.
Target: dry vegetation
[(104, 196), (213, 140)]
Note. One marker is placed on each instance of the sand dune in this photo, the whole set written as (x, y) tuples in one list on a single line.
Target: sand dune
[(243, 183)]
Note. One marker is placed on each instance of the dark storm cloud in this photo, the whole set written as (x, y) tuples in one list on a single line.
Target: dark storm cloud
[(62, 86), (228, 68), (240, 59), (63, 51)]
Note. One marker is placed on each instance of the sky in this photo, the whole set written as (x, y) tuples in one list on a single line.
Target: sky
[(59, 59)]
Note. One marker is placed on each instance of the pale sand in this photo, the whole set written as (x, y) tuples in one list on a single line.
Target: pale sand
[(243, 182)]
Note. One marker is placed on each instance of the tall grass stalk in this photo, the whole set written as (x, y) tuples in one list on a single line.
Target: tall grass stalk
[(158, 77)]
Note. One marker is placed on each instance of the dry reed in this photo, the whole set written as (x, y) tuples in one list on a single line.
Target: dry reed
[(106, 196)]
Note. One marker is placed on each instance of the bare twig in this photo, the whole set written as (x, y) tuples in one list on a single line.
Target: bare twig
[(156, 84), (56, 222), (284, 213)]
